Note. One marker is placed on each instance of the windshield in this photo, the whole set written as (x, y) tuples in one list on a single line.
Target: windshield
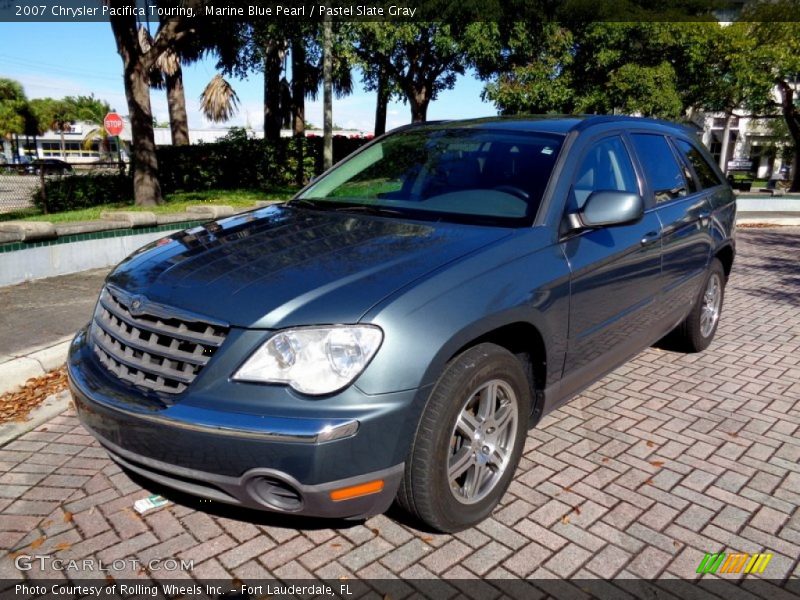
[(464, 175)]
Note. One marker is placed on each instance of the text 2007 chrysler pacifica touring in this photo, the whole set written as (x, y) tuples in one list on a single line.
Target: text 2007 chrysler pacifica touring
[(394, 330)]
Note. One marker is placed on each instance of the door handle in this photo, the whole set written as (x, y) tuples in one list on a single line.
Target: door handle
[(651, 238)]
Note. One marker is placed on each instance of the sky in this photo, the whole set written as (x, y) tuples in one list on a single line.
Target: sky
[(68, 59)]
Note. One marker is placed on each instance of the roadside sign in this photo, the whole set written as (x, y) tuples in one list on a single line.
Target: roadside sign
[(113, 123)]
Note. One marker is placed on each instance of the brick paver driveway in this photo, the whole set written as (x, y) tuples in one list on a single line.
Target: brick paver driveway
[(669, 457)]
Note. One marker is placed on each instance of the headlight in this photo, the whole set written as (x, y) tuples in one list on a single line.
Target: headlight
[(313, 360)]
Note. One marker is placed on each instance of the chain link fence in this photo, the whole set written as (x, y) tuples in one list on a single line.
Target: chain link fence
[(19, 183)]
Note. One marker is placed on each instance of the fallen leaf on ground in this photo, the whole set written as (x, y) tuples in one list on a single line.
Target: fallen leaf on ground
[(657, 463), (650, 443), (565, 519), (67, 517), (63, 546), (37, 542), (648, 482), (15, 406)]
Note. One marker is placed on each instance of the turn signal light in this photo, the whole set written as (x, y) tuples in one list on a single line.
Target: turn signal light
[(356, 491)]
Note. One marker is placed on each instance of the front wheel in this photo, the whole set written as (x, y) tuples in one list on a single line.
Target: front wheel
[(469, 440)]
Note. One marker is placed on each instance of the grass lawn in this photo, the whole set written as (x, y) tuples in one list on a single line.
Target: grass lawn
[(173, 203)]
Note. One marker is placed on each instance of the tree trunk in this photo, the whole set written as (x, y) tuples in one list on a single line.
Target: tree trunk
[(327, 94), (176, 102), (299, 104), (146, 188), (272, 90), (419, 107), (299, 86), (792, 117), (382, 103)]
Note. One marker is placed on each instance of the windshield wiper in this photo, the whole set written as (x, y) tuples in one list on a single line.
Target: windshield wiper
[(305, 203), (370, 209)]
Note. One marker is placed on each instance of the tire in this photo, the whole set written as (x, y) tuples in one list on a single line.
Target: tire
[(697, 331), (452, 435)]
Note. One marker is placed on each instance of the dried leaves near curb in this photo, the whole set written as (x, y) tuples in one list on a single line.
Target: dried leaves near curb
[(15, 406)]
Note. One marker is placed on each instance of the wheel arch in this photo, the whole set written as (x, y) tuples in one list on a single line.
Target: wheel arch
[(725, 255), (525, 341)]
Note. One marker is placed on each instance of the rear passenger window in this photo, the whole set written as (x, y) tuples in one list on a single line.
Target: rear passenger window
[(660, 166), (704, 171), (605, 167)]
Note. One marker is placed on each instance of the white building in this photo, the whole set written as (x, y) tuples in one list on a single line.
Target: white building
[(80, 149), (751, 146)]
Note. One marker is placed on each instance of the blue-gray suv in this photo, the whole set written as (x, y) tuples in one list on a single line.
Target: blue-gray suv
[(393, 331)]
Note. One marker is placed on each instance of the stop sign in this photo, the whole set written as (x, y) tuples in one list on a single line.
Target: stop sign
[(113, 123)]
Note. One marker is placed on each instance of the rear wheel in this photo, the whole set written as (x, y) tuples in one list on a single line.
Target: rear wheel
[(698, 329), (469, 440)]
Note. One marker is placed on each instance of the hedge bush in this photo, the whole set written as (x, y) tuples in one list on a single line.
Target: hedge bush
[(235, 162), (83, 191)]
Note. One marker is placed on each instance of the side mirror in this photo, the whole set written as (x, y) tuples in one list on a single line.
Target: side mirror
[(608, 208)]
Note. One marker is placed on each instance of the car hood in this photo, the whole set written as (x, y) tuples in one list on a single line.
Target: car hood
[(283, 266)]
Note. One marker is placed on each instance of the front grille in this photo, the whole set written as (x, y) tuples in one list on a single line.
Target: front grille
[(155, 348)]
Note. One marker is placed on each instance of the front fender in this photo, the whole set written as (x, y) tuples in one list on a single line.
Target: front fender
[(428, 323)]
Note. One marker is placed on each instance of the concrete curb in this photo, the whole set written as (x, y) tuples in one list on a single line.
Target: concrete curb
[(33, 362), (743, 219), (51, 407)]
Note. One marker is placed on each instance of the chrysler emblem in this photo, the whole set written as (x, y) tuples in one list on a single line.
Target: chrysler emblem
[(136, 304)]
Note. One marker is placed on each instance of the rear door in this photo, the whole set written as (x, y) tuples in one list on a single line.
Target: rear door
[(683, 208), (615, 271)]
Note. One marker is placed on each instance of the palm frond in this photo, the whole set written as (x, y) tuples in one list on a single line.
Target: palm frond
[(218, 100), (145, 40), (168, 62)]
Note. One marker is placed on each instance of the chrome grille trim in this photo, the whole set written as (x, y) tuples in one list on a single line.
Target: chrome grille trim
[(157, 348)]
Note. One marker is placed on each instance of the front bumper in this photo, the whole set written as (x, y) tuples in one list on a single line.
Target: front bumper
[(278, 463)]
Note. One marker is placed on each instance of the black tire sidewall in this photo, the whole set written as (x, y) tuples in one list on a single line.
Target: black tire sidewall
[(490, 362), (700, 341)]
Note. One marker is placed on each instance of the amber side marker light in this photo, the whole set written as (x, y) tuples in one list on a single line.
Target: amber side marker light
[(355, 491)]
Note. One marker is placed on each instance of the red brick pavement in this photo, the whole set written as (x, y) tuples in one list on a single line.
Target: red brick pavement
[(665, 459)]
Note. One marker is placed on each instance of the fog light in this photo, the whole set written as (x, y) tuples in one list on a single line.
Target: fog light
[(356, 491)]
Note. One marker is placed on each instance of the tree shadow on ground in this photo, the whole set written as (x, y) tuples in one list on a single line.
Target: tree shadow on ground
[(780, 265)]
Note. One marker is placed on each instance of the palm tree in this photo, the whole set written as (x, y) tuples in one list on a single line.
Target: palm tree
[(219, 100), (89, 109)]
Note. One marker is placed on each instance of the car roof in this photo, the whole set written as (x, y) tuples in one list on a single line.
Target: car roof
[(559, 124)]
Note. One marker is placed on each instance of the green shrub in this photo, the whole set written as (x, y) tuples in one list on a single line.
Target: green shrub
[(236, 162), (83, 191), (233, 163)]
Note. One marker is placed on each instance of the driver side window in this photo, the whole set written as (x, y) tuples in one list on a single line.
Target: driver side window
[(607, 167)]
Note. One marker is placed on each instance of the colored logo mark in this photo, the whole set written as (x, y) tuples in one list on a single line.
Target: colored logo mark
[(734, 563)]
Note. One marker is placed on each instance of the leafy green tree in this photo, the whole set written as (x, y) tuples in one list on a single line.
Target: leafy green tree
[(776, 68), (421, 58), (13, 107), (89, 109), (653, 68), (56, 115)]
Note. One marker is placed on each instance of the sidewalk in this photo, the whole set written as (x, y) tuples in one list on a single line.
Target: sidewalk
[(39, 313)]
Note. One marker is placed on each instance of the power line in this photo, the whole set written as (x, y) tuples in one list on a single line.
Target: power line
[(31, 64)]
